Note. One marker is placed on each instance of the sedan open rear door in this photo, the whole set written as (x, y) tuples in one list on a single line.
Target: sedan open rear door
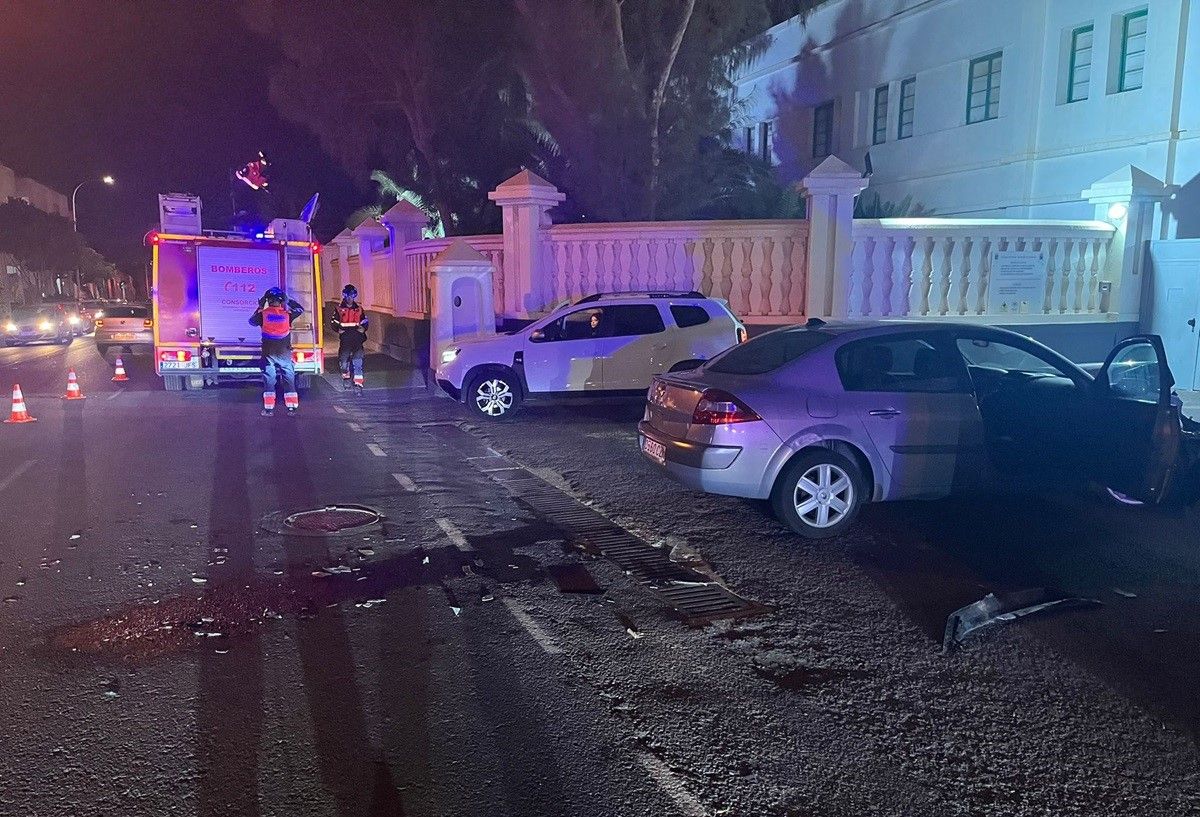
[(1133, 427)]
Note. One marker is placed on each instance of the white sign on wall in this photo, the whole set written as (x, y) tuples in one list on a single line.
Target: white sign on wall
[(1017, 284), (231, 280)]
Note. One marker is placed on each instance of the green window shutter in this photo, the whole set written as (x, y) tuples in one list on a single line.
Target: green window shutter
[(1133, 50), (1079, 72), (908, 105), (879, 123)]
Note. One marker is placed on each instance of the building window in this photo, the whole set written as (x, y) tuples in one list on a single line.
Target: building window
[(823, 131), (749, 139), (1133, 50), (1079, 72), (879, 125), (983, 88), (764, 141), (908, 107)]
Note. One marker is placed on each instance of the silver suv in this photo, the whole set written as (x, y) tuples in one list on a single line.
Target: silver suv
[(604, 343)]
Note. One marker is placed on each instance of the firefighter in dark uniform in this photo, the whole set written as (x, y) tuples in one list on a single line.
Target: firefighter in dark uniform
[(275, 315), (350, 322)]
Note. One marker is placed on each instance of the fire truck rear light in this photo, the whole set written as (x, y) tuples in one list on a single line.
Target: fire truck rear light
[(149, 322), (170, 355)]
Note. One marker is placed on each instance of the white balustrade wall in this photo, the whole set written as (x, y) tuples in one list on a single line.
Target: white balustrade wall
[(773, 271), (941, 268), (412, 294), (757, 266)]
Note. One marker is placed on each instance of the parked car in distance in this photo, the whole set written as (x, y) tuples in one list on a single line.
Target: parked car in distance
[(601, 344), (89, 311), (825, 417), (43, 323), (125, 325), (69, 308)]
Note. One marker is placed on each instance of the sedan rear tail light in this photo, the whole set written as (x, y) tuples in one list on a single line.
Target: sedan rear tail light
[(717, 408)]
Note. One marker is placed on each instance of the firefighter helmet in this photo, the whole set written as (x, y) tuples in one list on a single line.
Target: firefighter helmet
[(349, 291)]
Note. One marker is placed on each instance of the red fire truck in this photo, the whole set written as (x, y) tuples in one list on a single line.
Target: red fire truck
[(206, 287)]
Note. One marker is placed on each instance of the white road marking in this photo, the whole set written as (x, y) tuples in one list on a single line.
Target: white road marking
[(115, 395), (376, 450), (453, 533), (339, 409), (673, 787), (11, 478), (405, 483), (355, 427), (544, 639)]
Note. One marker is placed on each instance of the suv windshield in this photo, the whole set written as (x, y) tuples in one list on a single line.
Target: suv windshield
[(768, 352)]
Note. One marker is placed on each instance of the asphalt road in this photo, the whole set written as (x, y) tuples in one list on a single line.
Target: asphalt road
[(164, 652)]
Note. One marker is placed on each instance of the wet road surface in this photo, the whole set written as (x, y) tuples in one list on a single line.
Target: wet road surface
[(165, 653)]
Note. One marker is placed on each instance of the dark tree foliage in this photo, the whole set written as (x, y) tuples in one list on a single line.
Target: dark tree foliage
[(427, 93), (38, 240), (624, 105)]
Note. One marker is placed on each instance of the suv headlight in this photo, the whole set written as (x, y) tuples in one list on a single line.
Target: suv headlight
[(10, 327), (73, 320), (448, 355), (45, 326)]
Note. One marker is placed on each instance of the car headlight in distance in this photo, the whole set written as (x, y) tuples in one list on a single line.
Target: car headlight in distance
[(73, 320), (10, 327), (448, 355), (45, 326)]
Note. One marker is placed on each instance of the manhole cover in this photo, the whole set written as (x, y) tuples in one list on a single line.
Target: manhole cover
[(328, 521)]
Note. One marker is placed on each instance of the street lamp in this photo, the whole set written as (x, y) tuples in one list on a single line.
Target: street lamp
[(109, 180)]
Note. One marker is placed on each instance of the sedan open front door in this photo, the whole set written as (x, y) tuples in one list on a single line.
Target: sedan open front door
[(1133, 428)]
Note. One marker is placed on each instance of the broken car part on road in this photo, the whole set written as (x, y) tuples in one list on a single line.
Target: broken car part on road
[(1004, 607)]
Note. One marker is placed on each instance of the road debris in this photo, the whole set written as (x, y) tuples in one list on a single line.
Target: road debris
[(629, 624), (1005, 607), (1124, 593), (573, 578)]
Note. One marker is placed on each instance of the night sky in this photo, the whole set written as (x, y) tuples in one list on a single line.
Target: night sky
[(165, 96)]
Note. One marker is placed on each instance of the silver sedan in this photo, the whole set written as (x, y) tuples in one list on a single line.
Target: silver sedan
[(824, 417)]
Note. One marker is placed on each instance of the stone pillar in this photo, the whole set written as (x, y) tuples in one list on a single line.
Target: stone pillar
[(461, 300), (829, 191), (525, 200), (1126, 199), (336, 265), (370, 235), (405, 222)]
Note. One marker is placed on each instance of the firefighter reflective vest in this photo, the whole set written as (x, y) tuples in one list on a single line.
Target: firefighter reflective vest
[(349, 317), (276, 323)]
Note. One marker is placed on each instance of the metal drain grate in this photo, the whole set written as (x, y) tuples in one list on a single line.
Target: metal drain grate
[(332, 520), (695, 598)]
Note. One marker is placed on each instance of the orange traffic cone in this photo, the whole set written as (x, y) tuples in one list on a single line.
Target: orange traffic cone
[(73, 391), (120, 375), (19, 413)]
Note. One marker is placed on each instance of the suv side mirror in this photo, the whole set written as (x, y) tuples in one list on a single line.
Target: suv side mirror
[(537, 335)]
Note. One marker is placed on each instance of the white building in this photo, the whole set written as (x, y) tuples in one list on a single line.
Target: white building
[(988, 108)]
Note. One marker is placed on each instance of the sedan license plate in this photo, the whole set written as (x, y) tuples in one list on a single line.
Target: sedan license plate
[(654, 450)]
